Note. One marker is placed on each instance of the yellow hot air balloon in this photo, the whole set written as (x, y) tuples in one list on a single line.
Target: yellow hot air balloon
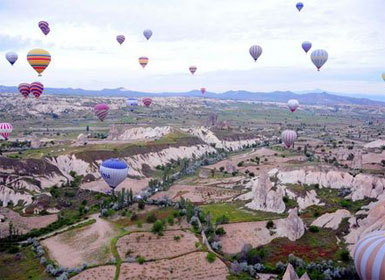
[(143, 61), (383, 76), (39, 59)]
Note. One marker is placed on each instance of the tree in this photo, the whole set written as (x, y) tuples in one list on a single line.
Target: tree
[(158, 227), (211, 257)]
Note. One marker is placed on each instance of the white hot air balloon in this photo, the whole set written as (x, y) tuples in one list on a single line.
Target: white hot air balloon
[(255, 52), (319, 58), (293, 104), (289, 137)]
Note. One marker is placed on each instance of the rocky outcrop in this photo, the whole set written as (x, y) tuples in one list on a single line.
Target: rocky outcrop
[(142, 133), (264, 197), (309, 199), (375, 144), (292, 227), (362, 185), (291, 274), (332, 220), (7, 195)]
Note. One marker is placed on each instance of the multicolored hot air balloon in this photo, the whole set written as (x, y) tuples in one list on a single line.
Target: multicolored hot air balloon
[(193, 69), (293, 104), (299, 6), (101, 111), (132, 103), (289, 137), (319, 58), (369, 256), (25, 89), (143, 61), (113, 171), (11, 57), (383, 76), (147, 33), (44, 26), (203, 90), (39, 59), (37, 89), (306, 46), (5, 130), (120, 39), (255, 52), (147, 101)]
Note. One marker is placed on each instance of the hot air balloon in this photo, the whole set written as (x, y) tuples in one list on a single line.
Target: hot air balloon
[(113, 171), (203, 90), (11, 57), (5, 130), (132, 103), (369, 255), (306, 46), (143, 61), (293, 104), (319, 58), (193, 69), (147, 33), (289, 137), (147, 102), (299, 6), (255, 51), (383, 76), (101, 111), (37, 89), (39, 59), (44, 26), (25, 89), (120, 39)]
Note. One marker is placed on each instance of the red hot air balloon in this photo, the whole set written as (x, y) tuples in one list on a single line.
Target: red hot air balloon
[(101, 111), (147, 102), (203, 90), (37, 89), (120, 39), (193, 69), (5, 130), (25, 89)]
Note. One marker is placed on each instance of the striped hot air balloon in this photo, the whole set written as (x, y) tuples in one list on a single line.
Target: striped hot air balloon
[(369, 256), (147, 101), (5, 130), (193, 69), (319, 58), (37, 89), (143, 61), (147, 33), (120, 39), (255, 52), (113, 171), (25, 89), (289, 137), (11, 57), (203, 90), (383, 76), (44, 27), (132, 103), (293, 104), (306, 46), (101, 111), (39, 59)]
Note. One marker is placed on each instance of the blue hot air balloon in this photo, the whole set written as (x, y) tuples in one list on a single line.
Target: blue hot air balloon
[(319, 58), (147, 33), (306, 46), (113, 171), (132, 103), (299, 6), (11, 57)]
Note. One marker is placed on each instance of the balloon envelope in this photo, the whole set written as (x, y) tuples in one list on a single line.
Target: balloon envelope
[(319, 58), (203, 90), (383, 76), (369, 256), (101, 111), (132, 103), (306, 46), (11, 57), (143, 61), (255, 52), (37, 89), (293, 104), (193, 69), (120, 39), (299, 6), (44, 27), (147, 33), (25, 89), (5, 130), (113, 171), (147, 102), (39, 59), (289, 137)]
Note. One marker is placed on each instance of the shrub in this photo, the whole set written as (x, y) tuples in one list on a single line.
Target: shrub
[(140, 259), (269, 224), (220, 231), (151, 218), (240, 164), (210, 257), (158, 227), (345, 203), (176, 237), (134, 216), (344, 255), (285, 199), (170, 220), (141, 204), (139, 224), (221, 169), (222, 220), (313, 229)]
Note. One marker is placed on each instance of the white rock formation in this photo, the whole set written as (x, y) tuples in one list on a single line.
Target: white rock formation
[(7, 195), (332, 220), (309, 199), (141, 133), (292, 227), (81, 140), (291, 274), (375, 144)]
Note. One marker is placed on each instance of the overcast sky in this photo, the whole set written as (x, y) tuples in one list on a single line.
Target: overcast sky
[(214, 35)]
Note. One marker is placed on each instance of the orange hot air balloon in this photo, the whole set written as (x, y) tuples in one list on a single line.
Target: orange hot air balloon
[(39, 59), (143, 61)]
